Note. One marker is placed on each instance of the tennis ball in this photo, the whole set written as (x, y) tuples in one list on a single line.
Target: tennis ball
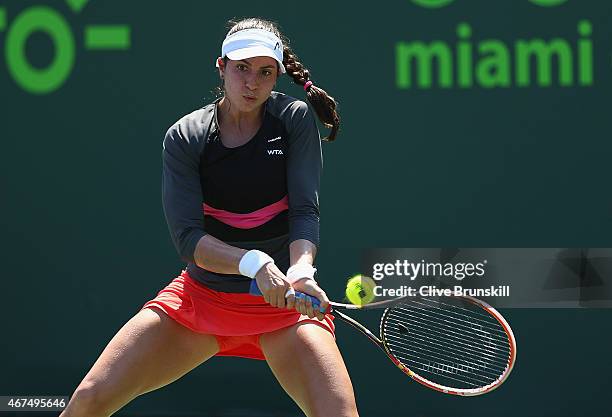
[(360, 290)]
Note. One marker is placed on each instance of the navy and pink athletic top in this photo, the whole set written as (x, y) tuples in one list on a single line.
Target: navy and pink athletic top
[(260, 195)]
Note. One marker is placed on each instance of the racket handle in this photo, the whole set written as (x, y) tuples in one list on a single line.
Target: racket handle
[(316, 304)]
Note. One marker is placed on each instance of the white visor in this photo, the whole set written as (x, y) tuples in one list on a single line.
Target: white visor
[(249, 43)]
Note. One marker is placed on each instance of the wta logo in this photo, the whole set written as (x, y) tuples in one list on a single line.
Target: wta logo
[(45, 79), (435, 4)]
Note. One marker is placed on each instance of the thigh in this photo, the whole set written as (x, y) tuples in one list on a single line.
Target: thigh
[(151, 350), (306, 361)]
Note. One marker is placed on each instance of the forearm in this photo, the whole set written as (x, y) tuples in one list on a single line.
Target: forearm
[(302, 251), (217, 256)]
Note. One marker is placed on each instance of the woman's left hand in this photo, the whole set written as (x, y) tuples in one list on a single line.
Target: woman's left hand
[(308, 286)]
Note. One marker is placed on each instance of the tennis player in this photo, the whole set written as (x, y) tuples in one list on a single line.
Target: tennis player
[(240, 195)]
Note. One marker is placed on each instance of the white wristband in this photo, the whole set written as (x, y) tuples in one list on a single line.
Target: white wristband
[(299, 271), (252, 261)]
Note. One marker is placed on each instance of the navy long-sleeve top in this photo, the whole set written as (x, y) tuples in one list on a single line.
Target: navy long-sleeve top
[(261, 195)]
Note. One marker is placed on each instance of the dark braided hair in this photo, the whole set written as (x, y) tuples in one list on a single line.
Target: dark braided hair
[(323, 104)]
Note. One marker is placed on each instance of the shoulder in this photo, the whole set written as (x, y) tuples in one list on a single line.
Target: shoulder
[(193, 128), (289, 110)]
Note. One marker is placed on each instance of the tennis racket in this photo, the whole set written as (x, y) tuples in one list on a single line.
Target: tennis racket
[(455, 345)]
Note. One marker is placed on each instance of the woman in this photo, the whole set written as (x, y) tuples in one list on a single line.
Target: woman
[(240, 194)]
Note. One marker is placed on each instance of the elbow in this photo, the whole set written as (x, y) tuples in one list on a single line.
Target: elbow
[(186, 242), (304, 226)]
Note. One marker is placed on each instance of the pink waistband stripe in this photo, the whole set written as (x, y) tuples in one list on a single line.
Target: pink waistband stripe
[(248, 220)]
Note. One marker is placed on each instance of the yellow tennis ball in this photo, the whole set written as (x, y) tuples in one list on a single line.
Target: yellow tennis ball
[(360, 290)]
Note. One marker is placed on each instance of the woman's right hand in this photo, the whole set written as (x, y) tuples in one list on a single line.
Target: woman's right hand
[(273, 284)]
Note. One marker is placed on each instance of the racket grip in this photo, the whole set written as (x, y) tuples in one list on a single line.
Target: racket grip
[(316, 304)]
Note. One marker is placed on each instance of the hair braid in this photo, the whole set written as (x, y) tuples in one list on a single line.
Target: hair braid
[(323, 104)]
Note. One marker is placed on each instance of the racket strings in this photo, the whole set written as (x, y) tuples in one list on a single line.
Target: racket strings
[(460, 319), (447, 316), (446, 373), (447, 331), (444, 370), (439, 356), (472, 372), (455, 308), (447, 344), (445, 350)]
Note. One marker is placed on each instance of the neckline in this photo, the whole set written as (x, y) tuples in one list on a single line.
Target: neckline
[(252, 138)]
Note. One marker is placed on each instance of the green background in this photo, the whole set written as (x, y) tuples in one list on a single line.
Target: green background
[(84, 242)]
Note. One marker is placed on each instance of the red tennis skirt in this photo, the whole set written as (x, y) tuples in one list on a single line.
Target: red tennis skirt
[(235, 319)]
